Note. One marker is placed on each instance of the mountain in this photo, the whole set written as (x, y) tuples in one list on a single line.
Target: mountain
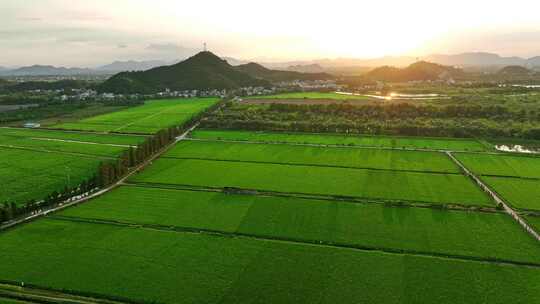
[(533, 62), (515, 70), (306, 68), (234, 62), (131, 65), (475, 59), (419, 71), (47, 70), (202, 71), (260, 72)]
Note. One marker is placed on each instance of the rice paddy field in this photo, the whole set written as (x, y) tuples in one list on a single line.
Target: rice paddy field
[(107, 145), (315, 180), (218, 219), (35, 163), (313, 221), (27, 175), (347, 140), (315, 156), (521, 193), (173, 267), (502, 165), (149, 118)]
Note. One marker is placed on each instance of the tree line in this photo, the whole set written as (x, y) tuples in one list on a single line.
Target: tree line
[(391, 119)]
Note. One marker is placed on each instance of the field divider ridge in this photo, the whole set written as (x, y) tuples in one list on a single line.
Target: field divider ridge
[(265, 237), (497, 198), (308, 165)]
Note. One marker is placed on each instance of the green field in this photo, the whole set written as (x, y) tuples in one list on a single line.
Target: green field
[(72, 142), (26, 175), (311, 95), (149, 118), (501, 165), (170, 267), (319, 156), (520, 193), (351, 140), (362, 225), (34, 163), (359, 183)]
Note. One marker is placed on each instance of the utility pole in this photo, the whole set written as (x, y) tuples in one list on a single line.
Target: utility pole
[(205, 49)]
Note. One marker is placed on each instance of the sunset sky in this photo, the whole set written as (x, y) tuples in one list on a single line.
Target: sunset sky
[(90, 33)]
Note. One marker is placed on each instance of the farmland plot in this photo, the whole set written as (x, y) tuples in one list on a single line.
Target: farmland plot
[(475, 234), (519, 192), (69, 142), (501, 164), (359, 183), (26, 175), (146, 119), (169, 267), (352, 140), (320, 156)]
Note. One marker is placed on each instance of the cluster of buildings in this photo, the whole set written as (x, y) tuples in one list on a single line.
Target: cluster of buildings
[(311, 85), (290, 86)]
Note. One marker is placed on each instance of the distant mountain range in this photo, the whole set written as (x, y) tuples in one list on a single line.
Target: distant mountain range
[(473, 59), (464, 60), (42, 70), (258, 71), (132, 65), (308, 68), (112, 68), (202, 71)]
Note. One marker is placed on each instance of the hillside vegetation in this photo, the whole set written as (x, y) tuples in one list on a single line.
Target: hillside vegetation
[(202, 71), (420, 71)]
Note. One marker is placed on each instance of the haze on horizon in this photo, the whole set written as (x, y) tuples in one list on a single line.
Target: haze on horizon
[(91, 33)]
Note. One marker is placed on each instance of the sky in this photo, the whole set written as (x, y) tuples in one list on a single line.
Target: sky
[(91, 33)]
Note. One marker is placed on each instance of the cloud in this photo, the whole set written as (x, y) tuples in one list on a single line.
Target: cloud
[(122, 46), (166, 47), (30, 19)]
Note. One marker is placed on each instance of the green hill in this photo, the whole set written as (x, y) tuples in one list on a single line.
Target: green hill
[(202, 71), (258, 71), (514, 70), (419, 71)]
